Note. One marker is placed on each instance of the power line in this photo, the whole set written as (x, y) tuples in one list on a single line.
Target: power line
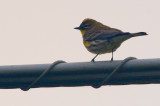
[(138, 71)]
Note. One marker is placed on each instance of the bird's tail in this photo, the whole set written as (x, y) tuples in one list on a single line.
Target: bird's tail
[(138, 34)]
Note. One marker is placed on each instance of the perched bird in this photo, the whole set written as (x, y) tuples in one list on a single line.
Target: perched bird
[(100, 39)]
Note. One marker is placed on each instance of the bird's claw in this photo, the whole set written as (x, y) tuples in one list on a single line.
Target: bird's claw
[(93, 60), (112, 59)]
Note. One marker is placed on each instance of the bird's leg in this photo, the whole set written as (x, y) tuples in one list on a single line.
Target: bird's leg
[(97, 55), (94, 57), (112, 56)]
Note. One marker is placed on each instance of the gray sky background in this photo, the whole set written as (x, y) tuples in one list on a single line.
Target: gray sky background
[(41, 31)]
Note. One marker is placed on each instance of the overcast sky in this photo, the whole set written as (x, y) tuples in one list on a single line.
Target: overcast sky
[(41, 31)]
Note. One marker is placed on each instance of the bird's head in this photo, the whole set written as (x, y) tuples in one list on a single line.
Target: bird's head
[(86, 25)]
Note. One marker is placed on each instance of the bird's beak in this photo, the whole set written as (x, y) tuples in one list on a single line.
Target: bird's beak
[(77, 28)]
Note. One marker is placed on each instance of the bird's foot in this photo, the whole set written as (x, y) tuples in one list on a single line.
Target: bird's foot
[(93, 60), (112, 59)]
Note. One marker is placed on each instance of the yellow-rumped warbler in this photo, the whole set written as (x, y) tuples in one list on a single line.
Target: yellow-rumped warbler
[(100, 39)]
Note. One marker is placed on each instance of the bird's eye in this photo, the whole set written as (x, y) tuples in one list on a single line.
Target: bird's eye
[(85, 26)]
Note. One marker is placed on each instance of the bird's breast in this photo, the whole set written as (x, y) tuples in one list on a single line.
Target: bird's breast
[(101, 46)]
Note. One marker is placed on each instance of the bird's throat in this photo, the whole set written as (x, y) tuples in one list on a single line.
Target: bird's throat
[(83, 32)]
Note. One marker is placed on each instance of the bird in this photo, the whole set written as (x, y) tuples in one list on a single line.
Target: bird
[(100, 39)]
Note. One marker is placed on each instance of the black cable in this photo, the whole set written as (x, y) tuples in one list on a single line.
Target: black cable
[(108, 77), (43, 74)]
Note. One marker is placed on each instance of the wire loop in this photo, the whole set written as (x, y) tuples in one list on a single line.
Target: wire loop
[(42, 74), (108, 77)]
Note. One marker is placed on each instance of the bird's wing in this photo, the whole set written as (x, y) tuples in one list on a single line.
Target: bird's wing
[(103, 34)]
